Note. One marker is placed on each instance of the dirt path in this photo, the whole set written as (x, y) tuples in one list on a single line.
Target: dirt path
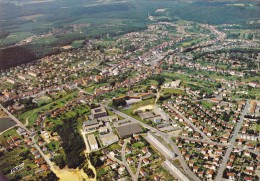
[(67, 174), (27, 119)]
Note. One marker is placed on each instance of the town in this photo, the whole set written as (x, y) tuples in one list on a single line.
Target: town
[(166, 103)]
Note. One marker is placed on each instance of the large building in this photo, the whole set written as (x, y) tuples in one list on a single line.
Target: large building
[(128, 130), (90, 125), (174, 170), (159, 146), (92, 142), (108, 140), (98, 112)]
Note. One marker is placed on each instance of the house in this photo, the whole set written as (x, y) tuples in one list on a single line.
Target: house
[(37, 156), (130, 160), (20, 131), (143, 172), (137, 137), (201, 174), (249, 172), (156, 177), (187, 157), (232, 158), (114, 166), (248, 178), (34, 151), (231, 175), (145, 150), (247, 153), (191, 163), (121, 170), (39, 161), (195, 169), (44, 167), (209, 174), (229, 165), (184, 133), (92, 142), (146, 161), (128, 150), (98, 112)]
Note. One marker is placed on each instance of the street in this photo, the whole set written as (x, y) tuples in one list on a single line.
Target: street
[(231, 143)]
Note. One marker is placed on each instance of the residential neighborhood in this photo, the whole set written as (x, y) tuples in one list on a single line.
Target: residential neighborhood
[(175, 101)]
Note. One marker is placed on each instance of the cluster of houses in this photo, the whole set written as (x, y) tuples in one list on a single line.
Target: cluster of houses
[(209, 121), (134, 155), (242, 164), (26, 140), (204, 158)]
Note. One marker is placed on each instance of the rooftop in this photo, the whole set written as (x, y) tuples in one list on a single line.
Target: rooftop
[(129, 130)]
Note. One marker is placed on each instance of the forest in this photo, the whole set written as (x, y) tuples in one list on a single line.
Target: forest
[(113, 18)]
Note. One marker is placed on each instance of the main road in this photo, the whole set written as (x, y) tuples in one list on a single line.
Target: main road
[(15, 119), (232, 143)]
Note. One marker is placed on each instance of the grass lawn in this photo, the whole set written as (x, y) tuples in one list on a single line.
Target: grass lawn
[(11, 132), (115, 146), (6, 135), (257, 127), (207, 104), (172, 91), (138, 144), (90, 89), (54, 145), (77, 43)]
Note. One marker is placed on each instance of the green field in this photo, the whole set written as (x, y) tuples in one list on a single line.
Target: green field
[(33, 114)]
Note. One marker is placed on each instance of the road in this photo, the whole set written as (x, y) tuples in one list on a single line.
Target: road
[(43, 155), (125, 163), (85, 140), (15, 119), (190, 123), (166, 137), (181, 159), (208, 142), (115, 159), (139, 165), (231, 143)]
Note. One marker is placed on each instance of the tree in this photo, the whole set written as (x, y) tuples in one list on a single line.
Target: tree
[(119, 102), (59, 161), (50, 177)]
